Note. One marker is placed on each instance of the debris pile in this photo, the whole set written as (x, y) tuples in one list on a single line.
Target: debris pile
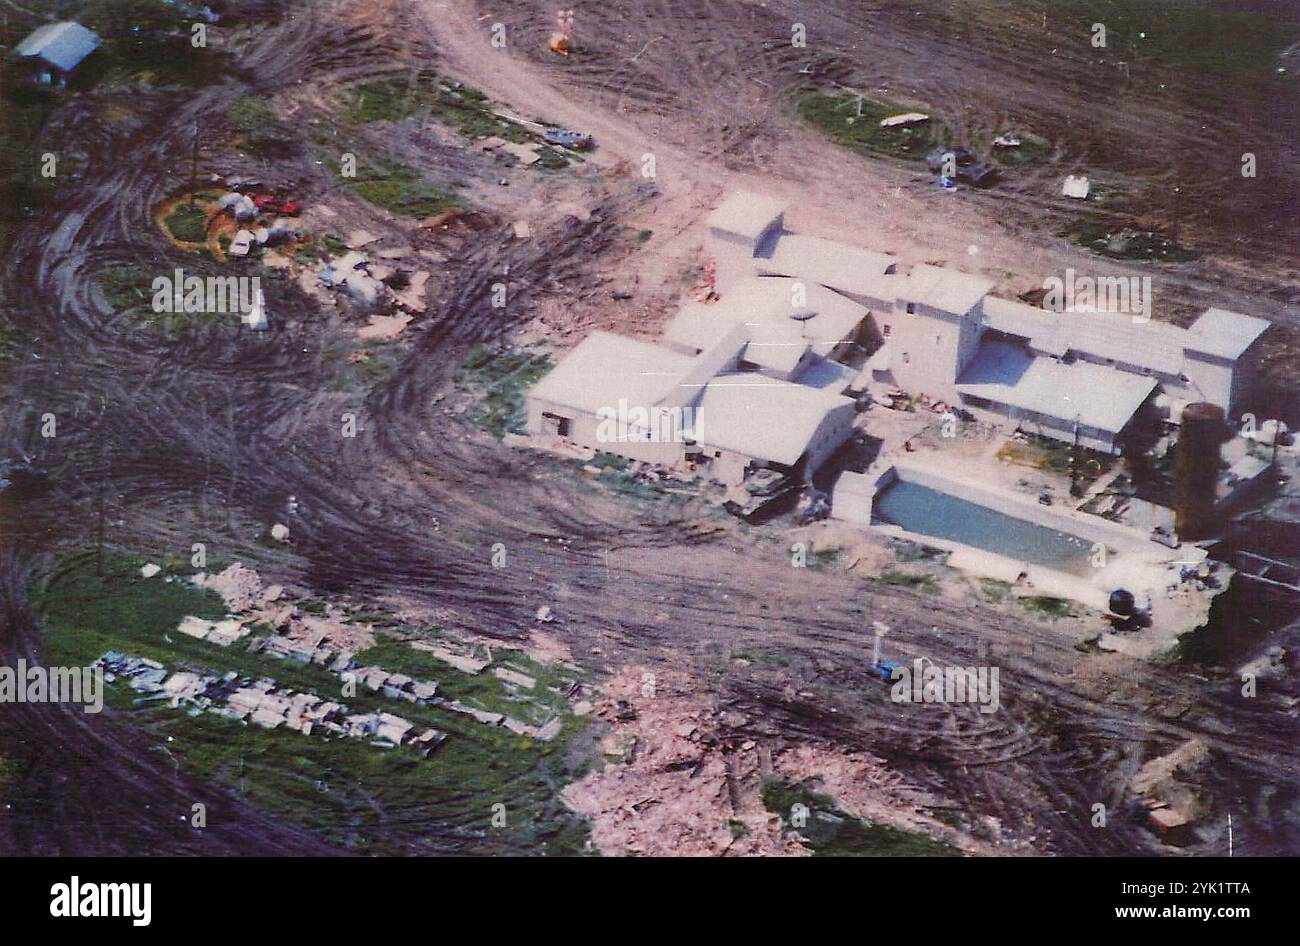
[(688, 784), (263, 703)]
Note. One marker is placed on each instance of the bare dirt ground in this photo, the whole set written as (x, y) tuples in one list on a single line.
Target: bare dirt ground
[(209, 434)]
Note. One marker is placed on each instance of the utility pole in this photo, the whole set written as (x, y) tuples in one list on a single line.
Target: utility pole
[(1074, 461), (99, 551), (194, 164)]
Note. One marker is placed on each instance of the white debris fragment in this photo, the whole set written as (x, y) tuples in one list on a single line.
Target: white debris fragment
[(148, 571), (1076, 187), (280, 532)]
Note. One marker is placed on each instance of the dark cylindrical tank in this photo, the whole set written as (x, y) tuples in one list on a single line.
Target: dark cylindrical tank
[(1122, 603), (1196, 470)]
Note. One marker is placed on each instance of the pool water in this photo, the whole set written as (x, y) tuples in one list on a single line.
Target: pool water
[(930, 512)]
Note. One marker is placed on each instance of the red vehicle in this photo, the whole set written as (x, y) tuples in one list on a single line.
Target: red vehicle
[(277, 205)]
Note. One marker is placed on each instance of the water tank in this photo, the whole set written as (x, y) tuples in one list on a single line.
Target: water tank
[(1196, 470), (1122, 603)]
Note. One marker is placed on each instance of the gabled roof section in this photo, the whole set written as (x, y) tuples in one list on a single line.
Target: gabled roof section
[(947, 290), (1223, 333), (746, 215), (833, 265), (1154, 345), (62, 45), (758, 416), (605, 368), (1096, 396), (779, 332)]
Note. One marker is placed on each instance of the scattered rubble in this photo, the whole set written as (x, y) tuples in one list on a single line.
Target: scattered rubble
[(688, 784), (261, 702), (384, 328)]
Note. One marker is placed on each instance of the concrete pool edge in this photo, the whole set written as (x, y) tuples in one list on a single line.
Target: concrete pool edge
[(1134, 561)]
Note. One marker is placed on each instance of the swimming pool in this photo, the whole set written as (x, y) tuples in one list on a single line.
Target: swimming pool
[(931, 512)]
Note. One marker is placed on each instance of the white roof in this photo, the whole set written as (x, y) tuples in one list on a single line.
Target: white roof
[(607, 367), (761, 417), (1154, 345), (947, 290), (764, 305), (746, 214), (1223, 333), (62, 45), (1096, 396), (835, 265), (853, 496)]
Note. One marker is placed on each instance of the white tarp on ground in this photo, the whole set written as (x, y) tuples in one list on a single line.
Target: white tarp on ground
[(1076, 187)]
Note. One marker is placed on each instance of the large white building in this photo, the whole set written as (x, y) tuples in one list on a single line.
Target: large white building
[(757, 378), (706, 412), (937, 332)]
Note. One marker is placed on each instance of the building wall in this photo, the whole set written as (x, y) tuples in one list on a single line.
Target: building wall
[(1211, 380), (1245, 378), (836, 427), (1091, 437), (929, 349), (584, 431)]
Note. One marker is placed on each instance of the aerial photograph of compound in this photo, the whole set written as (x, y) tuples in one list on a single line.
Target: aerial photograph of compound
[(659, 428)]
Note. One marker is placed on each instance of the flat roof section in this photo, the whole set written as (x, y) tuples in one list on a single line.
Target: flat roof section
[(1224, 333), (1154, 345), (746, 214), (606, 368), (761, 417), (947, 290), (831, 264), (1096, 396), (775, 327)]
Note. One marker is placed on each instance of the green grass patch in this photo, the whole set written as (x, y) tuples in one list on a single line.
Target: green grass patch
[(399, 189), (917, 581), (371, 800), (260, 131), (821, 557), (762, 655), (500, 377), (88, 613), (248, 113), (188, 222), (915, 552), (1126, 243), (1032, 150), (838, 117), (11, 343), (1047, 605), (830, 832), (465, 109), (995, 589), (385, 100), (1053, 456), (1200, 37)]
